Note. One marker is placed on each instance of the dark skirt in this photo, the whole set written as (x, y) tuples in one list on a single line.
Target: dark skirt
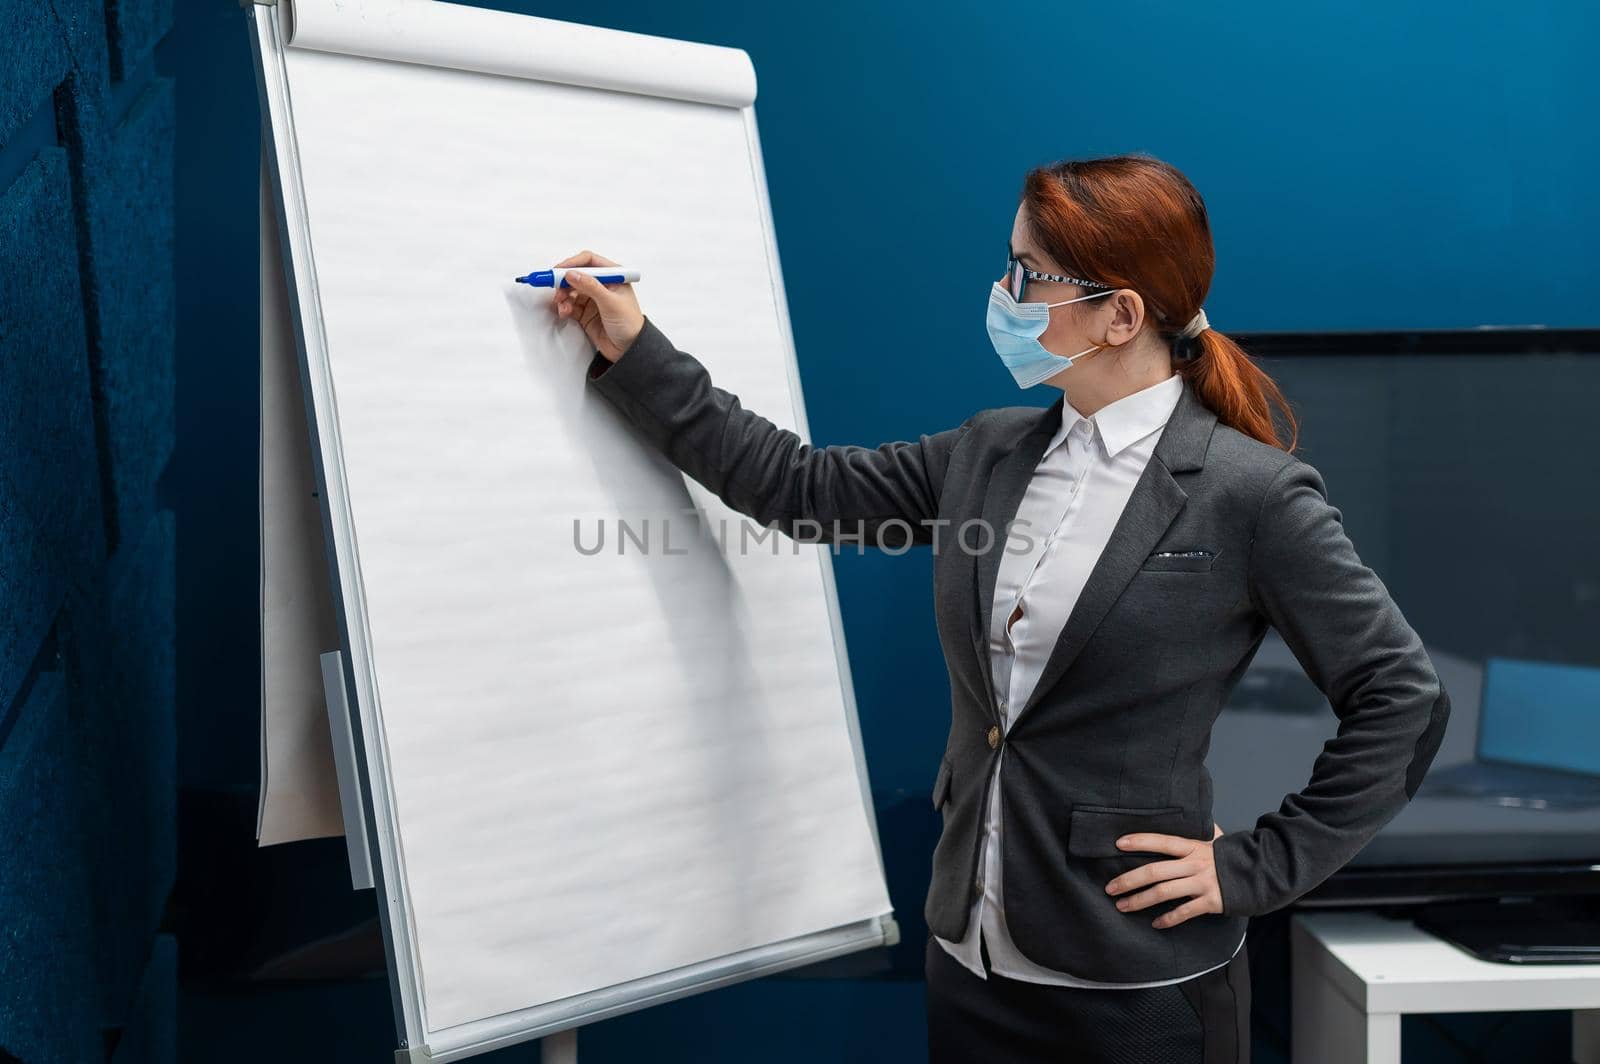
[(1204, 1020)]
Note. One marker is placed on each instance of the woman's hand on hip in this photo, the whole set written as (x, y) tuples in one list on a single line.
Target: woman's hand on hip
[(609, 313), (1192, 874)]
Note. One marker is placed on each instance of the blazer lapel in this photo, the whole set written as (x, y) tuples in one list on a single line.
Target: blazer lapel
[(1153, 505), (1002, 498)]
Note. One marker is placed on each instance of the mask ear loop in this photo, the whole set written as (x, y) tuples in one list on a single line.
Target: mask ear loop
[(1072, 360), (1080, 299)]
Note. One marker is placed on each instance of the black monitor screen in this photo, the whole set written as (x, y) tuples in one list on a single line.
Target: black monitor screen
[(1471, 484)]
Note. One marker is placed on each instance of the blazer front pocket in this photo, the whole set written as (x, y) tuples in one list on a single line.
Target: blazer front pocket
[(1179, 561), (1094, 829)]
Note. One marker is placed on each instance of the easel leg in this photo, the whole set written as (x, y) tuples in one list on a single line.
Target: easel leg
[(1586, 1036), (559, 1048)]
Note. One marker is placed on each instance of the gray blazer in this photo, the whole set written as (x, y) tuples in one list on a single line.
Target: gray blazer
[(1222, 536)]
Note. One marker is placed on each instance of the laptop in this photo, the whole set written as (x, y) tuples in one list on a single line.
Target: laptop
[(1538, 739)]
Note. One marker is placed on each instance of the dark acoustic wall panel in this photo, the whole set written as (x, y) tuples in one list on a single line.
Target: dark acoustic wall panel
[(50, 513), (87, 743), (151, 1035), (46, 947), (135, 27), (35, 57), (128, 195), (117, 644)]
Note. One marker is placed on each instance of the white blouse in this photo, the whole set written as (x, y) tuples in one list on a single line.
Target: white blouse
[(1077, 493)]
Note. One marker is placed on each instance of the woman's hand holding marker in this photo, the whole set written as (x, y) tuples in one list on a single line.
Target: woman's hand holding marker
[(609, 314)]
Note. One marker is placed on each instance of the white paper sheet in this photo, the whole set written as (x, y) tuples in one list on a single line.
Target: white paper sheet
[(299, 789), (461, 37), (604, 767)]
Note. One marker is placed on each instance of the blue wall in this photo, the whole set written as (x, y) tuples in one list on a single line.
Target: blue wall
[(1425, 166), (1422, 167), (87, 623), (1364, 170), (1366, 167)]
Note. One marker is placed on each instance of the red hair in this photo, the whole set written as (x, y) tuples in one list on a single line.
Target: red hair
[(1133, 221)]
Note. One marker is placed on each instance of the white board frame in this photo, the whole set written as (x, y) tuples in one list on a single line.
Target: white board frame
[(417, 1043)]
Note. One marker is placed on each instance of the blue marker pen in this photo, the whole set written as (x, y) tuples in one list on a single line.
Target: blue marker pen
[(556, 278)]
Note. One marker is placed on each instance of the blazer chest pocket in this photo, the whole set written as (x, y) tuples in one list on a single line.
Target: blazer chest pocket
[(941, 784), (1179, 561), (1095, 829)]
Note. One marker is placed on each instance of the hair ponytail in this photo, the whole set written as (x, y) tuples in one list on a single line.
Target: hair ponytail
[(1133, 221), (1235, 388)]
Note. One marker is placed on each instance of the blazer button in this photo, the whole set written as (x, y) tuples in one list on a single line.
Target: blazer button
[(994, 737)]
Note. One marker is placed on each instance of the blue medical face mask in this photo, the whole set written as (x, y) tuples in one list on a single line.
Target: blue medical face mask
[(1014, 329)]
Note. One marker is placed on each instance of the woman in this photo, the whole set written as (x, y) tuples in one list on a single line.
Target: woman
[(1107, 568)]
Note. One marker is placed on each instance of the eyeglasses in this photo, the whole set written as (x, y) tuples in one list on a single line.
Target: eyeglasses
[(1018, 276)]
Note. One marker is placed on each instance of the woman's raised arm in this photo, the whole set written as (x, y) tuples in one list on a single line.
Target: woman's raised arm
[(887, 495)]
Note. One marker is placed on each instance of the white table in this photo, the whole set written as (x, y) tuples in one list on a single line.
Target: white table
[(1356, 973)]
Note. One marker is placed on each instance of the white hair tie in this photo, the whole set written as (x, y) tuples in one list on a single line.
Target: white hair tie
[(1197, 324)]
